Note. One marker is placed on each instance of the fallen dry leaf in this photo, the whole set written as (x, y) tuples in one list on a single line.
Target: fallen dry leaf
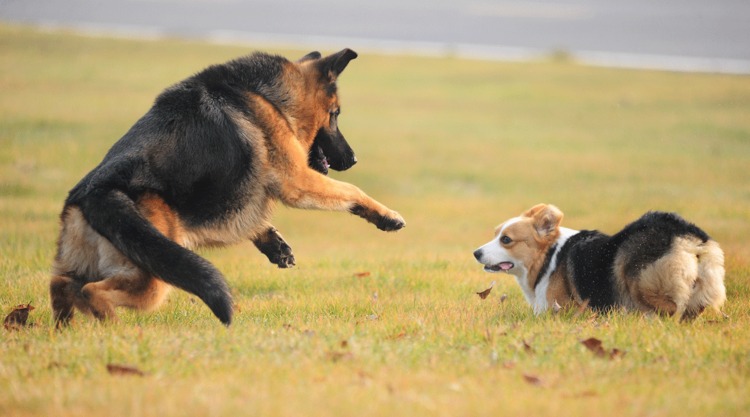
[(335, 356), (291, 328), (533, 380), (18, 317), (397, 336), (527, 348), (582, 394), (595, 345), (361, 274), (485, 293), (114, 369), (616, 353)]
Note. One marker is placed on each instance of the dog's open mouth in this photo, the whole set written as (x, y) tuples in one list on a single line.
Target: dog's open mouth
[(317, 159), (501, 267)]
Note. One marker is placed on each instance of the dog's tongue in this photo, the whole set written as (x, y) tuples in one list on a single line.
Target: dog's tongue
[(506, 265)]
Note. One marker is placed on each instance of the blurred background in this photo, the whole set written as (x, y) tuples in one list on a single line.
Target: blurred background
[(440, 107), (462, 106), (683, 35), (462, 114)]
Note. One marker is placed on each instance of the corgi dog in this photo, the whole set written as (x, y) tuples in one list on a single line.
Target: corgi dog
[(658, 264)]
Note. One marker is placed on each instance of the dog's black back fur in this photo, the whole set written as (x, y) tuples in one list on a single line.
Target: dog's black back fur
[(651, 236), (591, 254), (186, 147)]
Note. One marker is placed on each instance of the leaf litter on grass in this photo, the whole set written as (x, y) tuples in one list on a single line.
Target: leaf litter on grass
[(19, 317)]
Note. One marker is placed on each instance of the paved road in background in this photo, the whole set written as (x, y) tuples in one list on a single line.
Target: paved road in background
[(690, 35)]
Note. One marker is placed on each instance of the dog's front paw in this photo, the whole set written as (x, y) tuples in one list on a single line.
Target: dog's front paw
[(391, 223), (278, 252), (284, 257), (387, 222)]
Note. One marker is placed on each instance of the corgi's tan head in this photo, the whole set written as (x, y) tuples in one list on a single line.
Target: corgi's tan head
[(521, 244)]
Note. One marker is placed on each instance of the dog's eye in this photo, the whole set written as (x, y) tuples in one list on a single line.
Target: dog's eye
[(335, 113), (505, 240)]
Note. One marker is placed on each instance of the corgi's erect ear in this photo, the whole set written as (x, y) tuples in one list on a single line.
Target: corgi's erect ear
[(534, 210), (547, 218)]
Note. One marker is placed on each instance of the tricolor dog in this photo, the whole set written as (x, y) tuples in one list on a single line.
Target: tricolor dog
[(658, 264)]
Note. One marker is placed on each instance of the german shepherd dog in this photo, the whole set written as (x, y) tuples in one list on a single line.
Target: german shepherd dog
[(204, 167)]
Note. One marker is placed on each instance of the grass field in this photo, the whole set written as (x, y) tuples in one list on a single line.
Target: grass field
[(376, 324)]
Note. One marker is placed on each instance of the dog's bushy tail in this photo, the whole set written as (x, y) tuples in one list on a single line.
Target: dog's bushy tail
[(114, 215)]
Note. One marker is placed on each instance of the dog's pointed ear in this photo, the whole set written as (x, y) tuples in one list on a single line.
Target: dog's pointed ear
[(332, 65), (547, 218), (309, 57), (534, 210)]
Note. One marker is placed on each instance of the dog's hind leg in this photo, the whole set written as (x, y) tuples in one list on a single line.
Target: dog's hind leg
[(271, 244), (76, 259), (63, 291), (91, 275), (138, 291), (708, 289), (666, 284), (121, 283), (686, 280)]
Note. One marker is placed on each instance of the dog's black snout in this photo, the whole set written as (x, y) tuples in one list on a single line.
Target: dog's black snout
[(478, 254), (344, 163)]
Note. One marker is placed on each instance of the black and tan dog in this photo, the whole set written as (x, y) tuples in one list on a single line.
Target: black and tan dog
[(660, 263), (204, 167)]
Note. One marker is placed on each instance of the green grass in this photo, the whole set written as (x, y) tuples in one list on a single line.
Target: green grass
[(456, 146)]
